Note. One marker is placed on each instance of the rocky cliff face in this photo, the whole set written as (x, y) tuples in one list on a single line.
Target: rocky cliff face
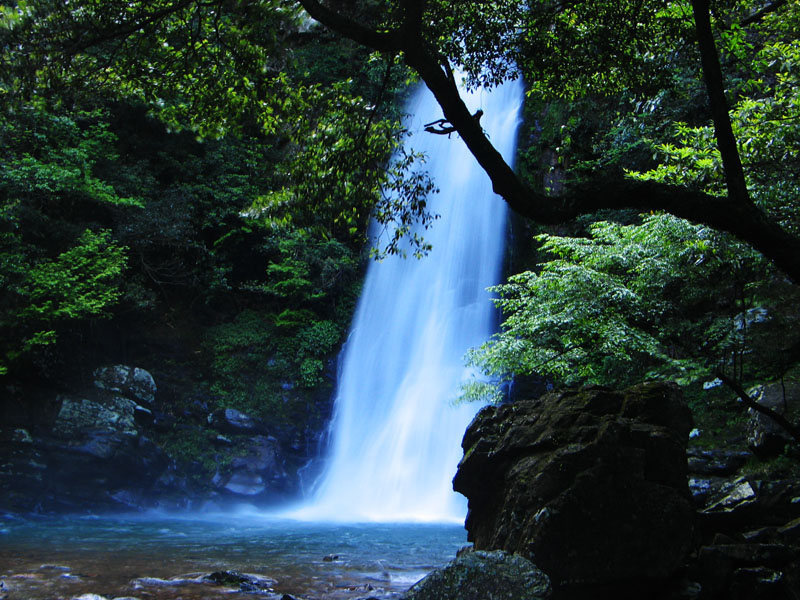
[(590, 485), (109, 447)]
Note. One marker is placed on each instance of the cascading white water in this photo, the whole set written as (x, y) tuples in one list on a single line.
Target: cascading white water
[(396, 434)]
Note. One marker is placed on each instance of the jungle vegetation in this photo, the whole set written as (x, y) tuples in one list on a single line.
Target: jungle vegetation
[(658, 172)]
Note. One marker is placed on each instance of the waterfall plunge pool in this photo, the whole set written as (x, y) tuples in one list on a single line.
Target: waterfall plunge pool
[(415, 321), (45, 558)]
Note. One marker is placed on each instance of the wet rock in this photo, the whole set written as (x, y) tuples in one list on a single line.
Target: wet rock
[(47, 567), (21, 436), (765, 437), (129, 498), (753, 554), (748, 570), (258, 473), (177, 581), (230, 420), (22, 474), (105, 469), (706, 461), (263, 456), (132, 382), (780, 500), (736, 496), (590, 485), (482, 575), (761, 535), (687, 590), (79, 415), (700, 489), (790, 533), (758, 583), (243, 483), (246, 582), (143, 416), (750, 510), (705, 489), (93, 453)]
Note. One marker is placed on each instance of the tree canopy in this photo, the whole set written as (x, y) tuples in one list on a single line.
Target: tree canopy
[(204, 61), (686, 108), (585, 49)]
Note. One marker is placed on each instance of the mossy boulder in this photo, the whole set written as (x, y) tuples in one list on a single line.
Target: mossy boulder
[(481, 575), (590, 485)]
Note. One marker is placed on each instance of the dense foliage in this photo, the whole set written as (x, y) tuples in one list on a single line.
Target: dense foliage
[(661, 299), (661, 138), (655, 296), (212, 238)]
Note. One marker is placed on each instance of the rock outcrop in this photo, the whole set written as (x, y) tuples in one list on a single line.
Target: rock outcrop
[(112, 446), (590, 485), (765, 437), (480, 575), (230, 420), (255, 473), (131, 382), (747, 539), (96, 452)]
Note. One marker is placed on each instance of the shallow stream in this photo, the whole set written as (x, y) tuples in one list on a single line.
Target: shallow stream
[(147, 556)]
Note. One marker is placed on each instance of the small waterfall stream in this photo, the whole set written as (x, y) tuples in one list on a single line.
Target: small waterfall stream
[(396, 434)]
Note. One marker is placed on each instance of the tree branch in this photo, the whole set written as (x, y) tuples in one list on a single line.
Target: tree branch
[(757, 16), (735, 214), (739, 217), (380, 41), (442, 127), (784, 423)]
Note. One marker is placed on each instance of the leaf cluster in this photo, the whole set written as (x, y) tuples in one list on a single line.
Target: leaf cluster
[(660, 299), (61, 264), (765, 120)]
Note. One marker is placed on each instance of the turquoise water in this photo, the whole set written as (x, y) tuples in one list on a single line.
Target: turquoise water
[(125, 556)]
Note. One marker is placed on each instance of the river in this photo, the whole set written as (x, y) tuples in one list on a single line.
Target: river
[(45, 558)]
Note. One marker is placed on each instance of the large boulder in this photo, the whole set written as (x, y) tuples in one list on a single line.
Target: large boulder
[(77, 416), (483, 575), (257, 474), (132, 382), (590, 485)]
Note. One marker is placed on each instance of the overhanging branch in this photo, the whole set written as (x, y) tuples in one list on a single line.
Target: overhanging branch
[(377, 40), (784, 423), (758, 15), (734, 214)]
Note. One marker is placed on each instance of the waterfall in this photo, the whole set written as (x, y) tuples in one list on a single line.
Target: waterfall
[(396, 433)]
